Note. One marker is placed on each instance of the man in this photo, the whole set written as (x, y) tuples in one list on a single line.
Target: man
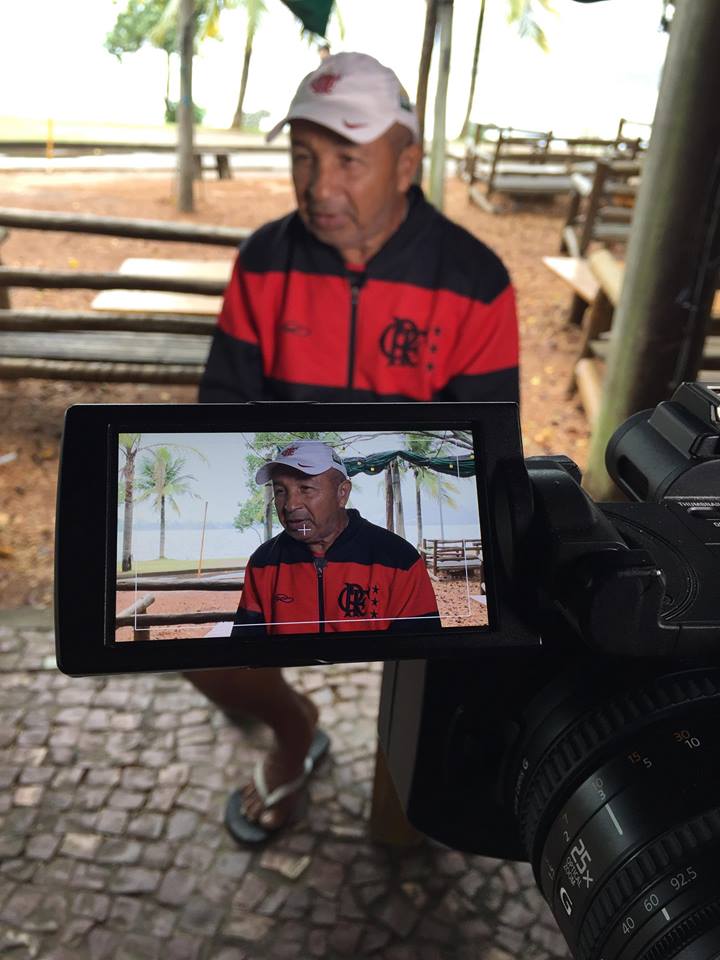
[(365, 292), (330, 570)]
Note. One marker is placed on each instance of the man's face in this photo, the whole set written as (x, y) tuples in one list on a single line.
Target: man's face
[(310, 508), (349, 195)]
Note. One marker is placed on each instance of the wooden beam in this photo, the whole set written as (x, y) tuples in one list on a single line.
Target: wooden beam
[(122, 227), (76, 280), (53, 320), (95, 371), (608, 272)]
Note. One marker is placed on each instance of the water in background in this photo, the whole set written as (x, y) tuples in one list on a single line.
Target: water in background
[(227, 542)]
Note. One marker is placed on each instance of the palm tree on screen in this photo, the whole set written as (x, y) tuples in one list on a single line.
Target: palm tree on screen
[(162, 480)]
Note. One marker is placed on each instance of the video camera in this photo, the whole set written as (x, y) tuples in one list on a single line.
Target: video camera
[(564, 713)]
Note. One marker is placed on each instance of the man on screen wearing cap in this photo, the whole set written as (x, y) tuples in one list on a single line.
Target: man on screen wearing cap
[(330, 570), (364, 293)]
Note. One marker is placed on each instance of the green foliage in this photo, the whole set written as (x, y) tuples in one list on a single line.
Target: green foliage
[(521, 12), (266, 445), (171, 112), (133, 27), (161, 479)]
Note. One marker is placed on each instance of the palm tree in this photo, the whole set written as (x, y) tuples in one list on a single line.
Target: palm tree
[(130, 445), (254, 9), (129, 449), (520, 12), (161, 478), (428, 480)]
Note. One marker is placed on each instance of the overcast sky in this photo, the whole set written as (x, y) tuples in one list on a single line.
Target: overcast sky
[(604, 62)]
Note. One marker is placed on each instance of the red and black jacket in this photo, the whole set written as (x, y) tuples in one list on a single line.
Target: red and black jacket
[(430, 317), (369, 579)]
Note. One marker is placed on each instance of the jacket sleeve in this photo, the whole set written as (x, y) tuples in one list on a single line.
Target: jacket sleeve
[(484, 361), (250, 620), (413, 597), (234, 368)]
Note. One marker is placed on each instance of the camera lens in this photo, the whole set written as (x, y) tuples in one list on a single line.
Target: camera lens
[(616, 790)]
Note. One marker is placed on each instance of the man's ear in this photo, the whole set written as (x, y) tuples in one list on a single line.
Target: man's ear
[(408, 160), (343, 492)]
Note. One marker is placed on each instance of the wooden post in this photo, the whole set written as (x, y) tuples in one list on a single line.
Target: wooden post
[(437, 155), (670, 277), (186, 172), (202, 540), (4, 291)]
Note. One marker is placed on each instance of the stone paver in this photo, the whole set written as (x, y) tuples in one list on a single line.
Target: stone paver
[(112, 845)]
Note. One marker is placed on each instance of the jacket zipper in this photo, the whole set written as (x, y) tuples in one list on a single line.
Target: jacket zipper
[(355, 285), (320, 563)]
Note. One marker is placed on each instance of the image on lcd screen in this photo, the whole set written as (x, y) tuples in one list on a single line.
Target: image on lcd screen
[(255, 534)]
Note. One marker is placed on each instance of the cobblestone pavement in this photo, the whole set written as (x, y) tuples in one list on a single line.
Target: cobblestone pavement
[(112, 845)]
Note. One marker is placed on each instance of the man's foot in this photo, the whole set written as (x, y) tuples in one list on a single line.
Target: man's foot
[(282, 766)]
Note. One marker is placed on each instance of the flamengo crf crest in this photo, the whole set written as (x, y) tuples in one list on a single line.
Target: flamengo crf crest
[(352, 600), (400, 342)]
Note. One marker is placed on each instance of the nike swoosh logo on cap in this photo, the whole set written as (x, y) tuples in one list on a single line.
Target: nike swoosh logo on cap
[(353, 126)]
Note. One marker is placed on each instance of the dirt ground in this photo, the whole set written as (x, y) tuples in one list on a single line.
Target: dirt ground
[(31, 411)]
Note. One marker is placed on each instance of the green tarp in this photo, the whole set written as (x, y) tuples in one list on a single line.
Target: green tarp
[(377, 462), (313, 13)]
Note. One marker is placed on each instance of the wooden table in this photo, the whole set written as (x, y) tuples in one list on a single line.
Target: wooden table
[(155, 301)]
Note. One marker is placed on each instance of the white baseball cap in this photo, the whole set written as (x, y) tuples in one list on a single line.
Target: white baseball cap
[(307, 456), (354, 95)]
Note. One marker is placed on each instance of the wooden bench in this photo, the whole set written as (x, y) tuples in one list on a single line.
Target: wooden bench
[(168, 299), (451, 556), (589, 367), (535, 163), (601, 207)]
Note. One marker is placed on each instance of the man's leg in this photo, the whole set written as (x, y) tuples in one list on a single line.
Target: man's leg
[(292, 716)]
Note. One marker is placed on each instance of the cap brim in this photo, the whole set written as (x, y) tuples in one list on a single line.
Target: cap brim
[(265, 471), (365, 134), (277, 129)]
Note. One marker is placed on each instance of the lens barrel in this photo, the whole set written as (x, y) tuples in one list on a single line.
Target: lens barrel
[(616, 790)]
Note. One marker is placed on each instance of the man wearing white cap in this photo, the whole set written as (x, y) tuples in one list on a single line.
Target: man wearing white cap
[(329, 571), (364, 293)]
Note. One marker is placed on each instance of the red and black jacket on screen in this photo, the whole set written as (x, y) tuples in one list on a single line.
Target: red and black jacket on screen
[(369, 579), (430, 317)]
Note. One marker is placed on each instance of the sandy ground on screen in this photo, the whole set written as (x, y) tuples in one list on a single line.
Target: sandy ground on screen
[(456, 610)]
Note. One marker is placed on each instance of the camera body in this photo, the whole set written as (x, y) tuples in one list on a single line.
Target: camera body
[(594, 756)]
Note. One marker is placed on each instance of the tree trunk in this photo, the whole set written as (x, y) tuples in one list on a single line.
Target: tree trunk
[(424, 72), (237, 119), (418, 509), (389, 509), (167, 77), (437, 155), (397, 498), (474, 69), (268, 513), (128, 512), (671, 264), (440, 501), (186, 168), (162, 528)]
